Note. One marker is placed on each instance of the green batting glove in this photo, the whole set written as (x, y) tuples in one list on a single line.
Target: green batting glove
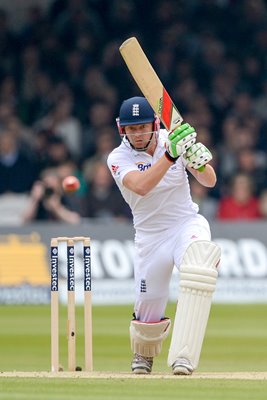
[(198, 156), (179, 141)]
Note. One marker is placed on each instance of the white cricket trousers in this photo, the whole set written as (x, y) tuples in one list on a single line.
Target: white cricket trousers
[(156, 255)]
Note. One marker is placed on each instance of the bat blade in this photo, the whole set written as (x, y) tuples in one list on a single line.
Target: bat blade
[(150, 84)]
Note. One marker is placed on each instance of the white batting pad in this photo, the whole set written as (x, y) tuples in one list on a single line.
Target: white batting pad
[(198, 275), (146, 338)]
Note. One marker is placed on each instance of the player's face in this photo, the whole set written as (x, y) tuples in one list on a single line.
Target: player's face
[(140, 135)]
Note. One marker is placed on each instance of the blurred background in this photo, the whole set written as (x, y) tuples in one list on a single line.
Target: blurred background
[(62, 81)]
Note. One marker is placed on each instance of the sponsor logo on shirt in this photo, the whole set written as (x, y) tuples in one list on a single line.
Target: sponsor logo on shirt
[(143, 166), (114, 169)]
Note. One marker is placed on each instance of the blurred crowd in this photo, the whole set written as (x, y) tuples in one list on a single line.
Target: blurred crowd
[(62, 81)]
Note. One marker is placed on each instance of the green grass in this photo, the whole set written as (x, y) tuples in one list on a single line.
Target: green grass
[(32, 389), (236, 340)]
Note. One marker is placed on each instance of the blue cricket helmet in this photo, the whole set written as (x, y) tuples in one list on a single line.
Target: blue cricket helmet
[(136, 110)]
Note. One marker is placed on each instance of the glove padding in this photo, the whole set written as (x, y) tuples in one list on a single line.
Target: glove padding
[(180, 140), (198, 156)]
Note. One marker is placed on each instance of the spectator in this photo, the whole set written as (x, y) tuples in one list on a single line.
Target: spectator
[(7, 111), (263, 203), (8, 91), (122, 17), (114, 69), (65, 125), (74, 69), (99, 116), (236, 135), (17, 171), (28, 73), (41, 102), (253, 163), (103, 199), (240, 203), (57, 151), (9, 46), (47, 201), (104, 144), (260, 104), (52, 55), (33, 24), (22, 133), (97, 88), (77, 17)]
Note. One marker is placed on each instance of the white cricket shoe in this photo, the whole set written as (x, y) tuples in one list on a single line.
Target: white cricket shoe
[(182, 367), (141, 364)]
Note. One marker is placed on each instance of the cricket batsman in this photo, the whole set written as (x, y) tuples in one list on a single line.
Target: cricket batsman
[(151, 168)]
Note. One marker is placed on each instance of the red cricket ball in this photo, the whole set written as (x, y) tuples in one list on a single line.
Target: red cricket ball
[(70, 184)]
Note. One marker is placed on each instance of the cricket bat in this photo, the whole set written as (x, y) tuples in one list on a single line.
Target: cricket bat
[(150, 84)]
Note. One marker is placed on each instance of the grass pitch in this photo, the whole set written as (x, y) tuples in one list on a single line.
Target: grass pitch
[(236, 340)]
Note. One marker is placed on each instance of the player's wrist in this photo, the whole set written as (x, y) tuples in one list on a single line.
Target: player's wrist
[(170, 158)]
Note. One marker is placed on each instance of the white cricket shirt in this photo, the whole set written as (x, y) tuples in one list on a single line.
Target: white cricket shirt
[(169, 202)]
